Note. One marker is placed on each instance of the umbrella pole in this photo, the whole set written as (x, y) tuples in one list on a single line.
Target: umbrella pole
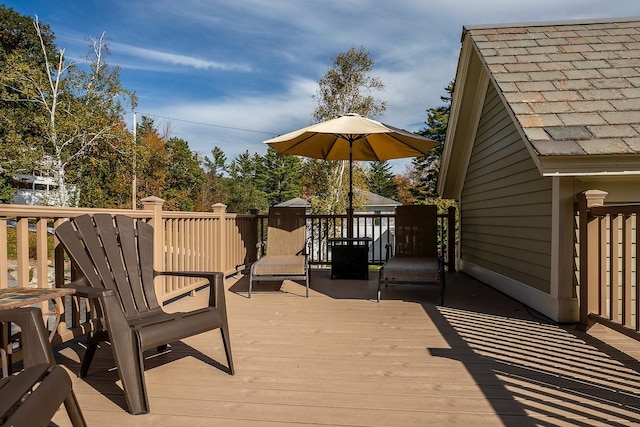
[(350, 195)]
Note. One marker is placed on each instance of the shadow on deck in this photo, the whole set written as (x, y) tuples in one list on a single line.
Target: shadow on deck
[(340, 359)]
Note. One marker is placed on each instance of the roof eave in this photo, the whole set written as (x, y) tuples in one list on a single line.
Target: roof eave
[(467, 28), (469, 90), (590, 165)]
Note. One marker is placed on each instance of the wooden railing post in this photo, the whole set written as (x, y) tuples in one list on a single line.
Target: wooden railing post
[(258, 236), (4, 257), (22, 248), (451, 238), (220, 252), (589, 254), (154, 204)]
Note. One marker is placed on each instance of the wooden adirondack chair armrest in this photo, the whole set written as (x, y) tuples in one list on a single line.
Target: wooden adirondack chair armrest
[(183, 273), (216, 283), (109, 301), (85, 291)]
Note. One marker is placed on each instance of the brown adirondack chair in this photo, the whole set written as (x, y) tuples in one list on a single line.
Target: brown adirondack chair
[(114, 256), (33, 396), (416, 258), (286, 256)]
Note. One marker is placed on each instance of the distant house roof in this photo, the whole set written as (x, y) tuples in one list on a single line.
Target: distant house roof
[(297, 202), (373, 201), (572, 89), (376, 200)]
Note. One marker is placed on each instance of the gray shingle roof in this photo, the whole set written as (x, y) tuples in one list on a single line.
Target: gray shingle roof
[(378, 200), (372, 199), (296, 202), (573, 87)]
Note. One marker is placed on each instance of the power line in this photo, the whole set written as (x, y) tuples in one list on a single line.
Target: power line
[(208, 124)]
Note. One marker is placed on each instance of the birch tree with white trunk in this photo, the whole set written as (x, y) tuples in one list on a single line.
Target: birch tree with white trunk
[(347, 87)]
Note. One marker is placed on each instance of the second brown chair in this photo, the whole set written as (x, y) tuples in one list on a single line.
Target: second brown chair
[(417, 259), (286, 249)]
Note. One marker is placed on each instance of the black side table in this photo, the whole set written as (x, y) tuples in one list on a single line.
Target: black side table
[(350, 258)]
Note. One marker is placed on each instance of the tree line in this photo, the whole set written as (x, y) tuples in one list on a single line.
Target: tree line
[(65, 120)]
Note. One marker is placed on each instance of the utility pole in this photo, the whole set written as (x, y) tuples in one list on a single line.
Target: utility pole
[(134, 183)]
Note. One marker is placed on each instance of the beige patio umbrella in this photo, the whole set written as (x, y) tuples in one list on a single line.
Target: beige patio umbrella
[(352, 137)]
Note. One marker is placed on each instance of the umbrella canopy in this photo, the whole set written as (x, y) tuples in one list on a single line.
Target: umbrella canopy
[(352, 137)]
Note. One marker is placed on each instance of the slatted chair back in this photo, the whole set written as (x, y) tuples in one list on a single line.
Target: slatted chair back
[(417, 231), (116, 253), (286, 233)]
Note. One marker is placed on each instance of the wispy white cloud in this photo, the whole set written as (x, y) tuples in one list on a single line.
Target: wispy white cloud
[(237, 124), (177, 59)]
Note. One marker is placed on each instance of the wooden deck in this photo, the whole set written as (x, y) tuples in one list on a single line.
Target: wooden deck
[(340, 359)]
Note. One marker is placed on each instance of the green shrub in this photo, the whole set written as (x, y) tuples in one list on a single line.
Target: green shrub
[(12, 250)]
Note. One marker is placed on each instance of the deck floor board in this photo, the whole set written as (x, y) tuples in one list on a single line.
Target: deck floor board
[(340, 359)]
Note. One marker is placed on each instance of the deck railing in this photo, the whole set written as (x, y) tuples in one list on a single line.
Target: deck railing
[(201, 241), (609, 265), (379, 227)]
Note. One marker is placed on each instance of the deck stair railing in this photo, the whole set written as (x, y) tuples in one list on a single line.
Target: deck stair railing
[(609, 266)]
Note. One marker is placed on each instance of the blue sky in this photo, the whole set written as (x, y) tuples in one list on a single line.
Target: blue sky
[(235, 73)]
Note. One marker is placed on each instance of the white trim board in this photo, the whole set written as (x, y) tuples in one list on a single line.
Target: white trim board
[(563, 310)]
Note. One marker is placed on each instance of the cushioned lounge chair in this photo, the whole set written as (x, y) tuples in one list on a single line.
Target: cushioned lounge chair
[(286, 249), (114, 256), (416, 258)]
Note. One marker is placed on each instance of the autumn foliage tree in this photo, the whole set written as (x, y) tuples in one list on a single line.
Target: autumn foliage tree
[(151, 160), (185, 178)]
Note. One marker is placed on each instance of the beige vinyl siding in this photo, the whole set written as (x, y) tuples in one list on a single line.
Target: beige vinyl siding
[(505, 204)]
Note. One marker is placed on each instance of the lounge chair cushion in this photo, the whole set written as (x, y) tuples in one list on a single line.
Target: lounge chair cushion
[(275, 265), (285, 249), (411, 269)]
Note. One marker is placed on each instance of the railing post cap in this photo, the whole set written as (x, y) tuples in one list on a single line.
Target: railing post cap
[(152, 200), (219, 207), (595, 197), (253, 211)]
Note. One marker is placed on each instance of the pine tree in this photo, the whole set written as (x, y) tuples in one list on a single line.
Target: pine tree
[(380, 180), (424, 170), (280, 176)]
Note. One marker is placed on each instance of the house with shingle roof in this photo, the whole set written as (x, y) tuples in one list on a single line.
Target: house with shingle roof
[(376, 228), (374, 203), (539, 113)]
